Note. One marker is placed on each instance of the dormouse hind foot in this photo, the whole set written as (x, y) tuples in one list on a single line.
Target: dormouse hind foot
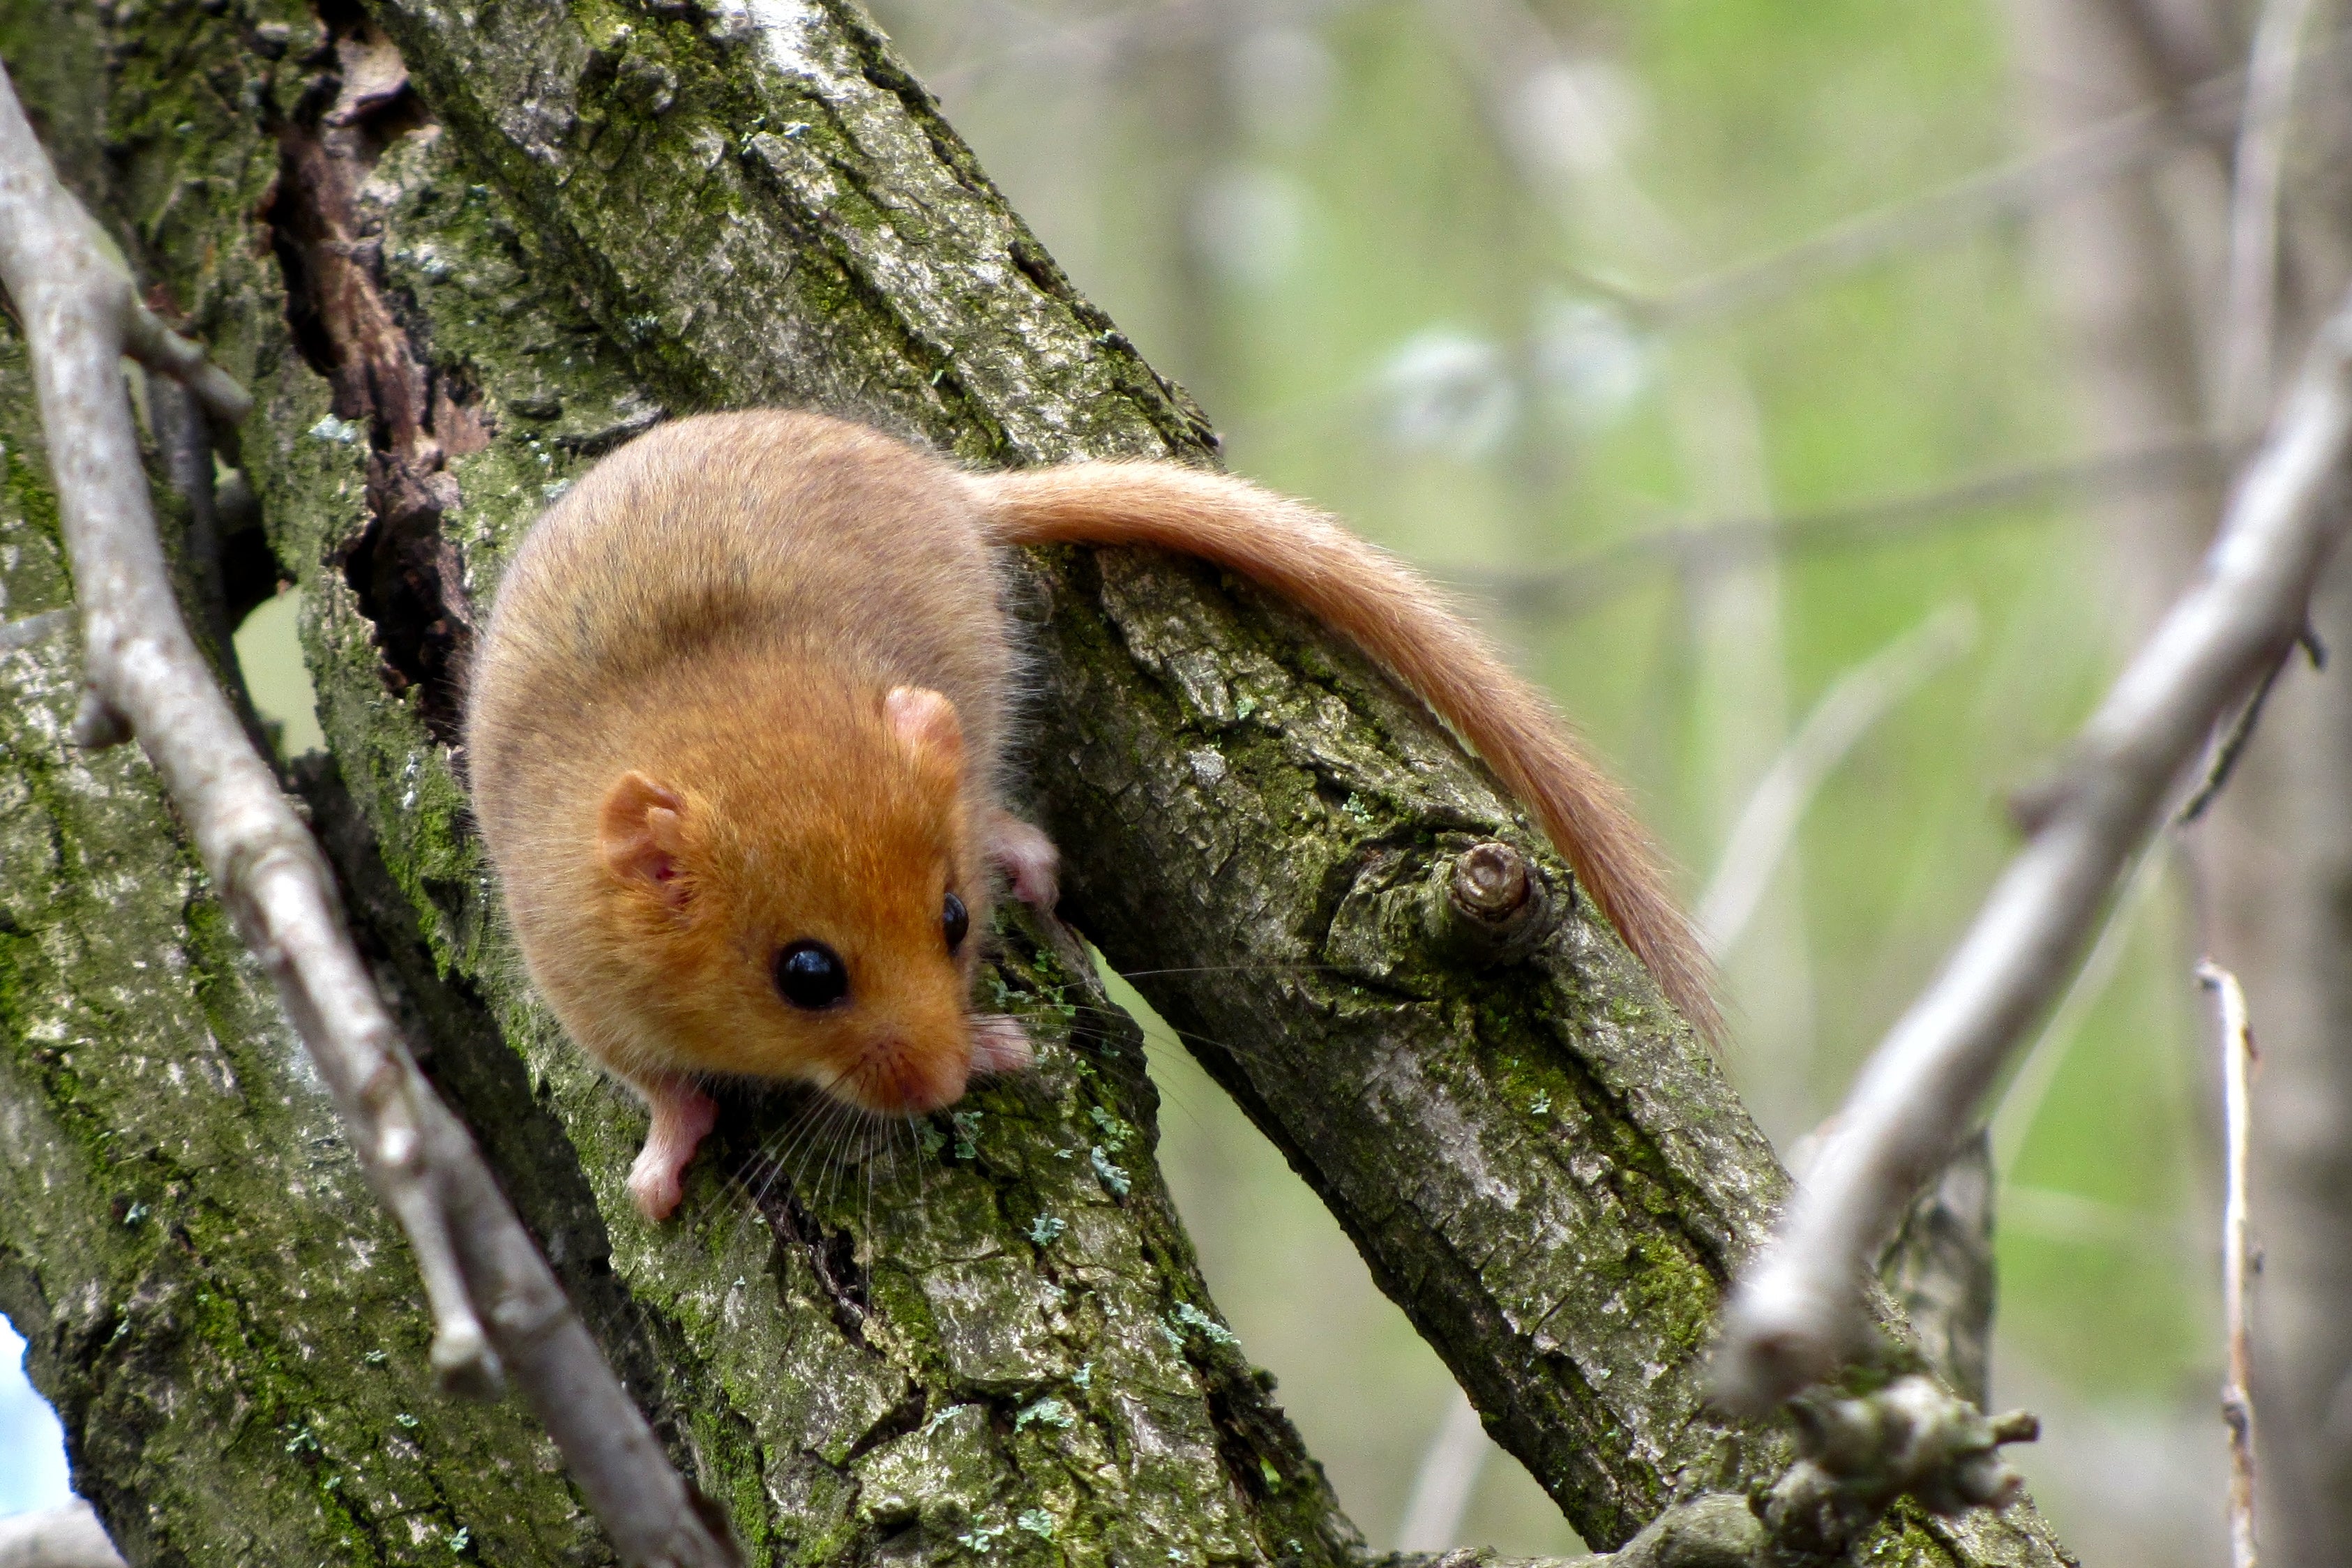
[(1030, 863), (1000, 1043), (683, 1117)]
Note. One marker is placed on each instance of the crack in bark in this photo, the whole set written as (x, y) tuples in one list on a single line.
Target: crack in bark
[(1247, 1423), (1633, 1152), (907, 1415), (352, 329), (832, 1257)]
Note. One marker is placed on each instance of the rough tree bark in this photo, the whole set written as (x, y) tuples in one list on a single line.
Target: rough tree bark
[(458, 250), (2138, 270)]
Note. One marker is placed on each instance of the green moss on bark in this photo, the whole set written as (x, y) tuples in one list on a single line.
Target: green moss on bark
[(984, 1336), (213, 1298)]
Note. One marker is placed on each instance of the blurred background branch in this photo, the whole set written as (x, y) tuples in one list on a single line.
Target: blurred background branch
[(2257, 104), (1695, 549), (2238, 1257), (1798, 1310), (2249, 309), (1854, 703), (1972, 241)]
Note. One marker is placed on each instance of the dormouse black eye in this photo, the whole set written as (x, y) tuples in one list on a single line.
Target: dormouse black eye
[(954, 921), (810, 975)]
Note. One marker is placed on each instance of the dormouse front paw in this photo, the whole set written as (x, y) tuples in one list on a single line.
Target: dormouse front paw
[(1000, 1043), (683, 1117), (1032, 864)]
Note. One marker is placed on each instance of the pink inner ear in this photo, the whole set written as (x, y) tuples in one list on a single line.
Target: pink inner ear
[(925, 721), (641, 832)]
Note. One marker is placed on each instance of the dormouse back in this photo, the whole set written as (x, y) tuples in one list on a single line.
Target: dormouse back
[(831, 546), (753, 525)]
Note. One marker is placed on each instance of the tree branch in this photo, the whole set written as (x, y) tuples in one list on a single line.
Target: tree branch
[(1799, 1308), (1602, 574), (1445, 1479), (495, 1305), (2249, 316), (2020, 1100), (2106, 151), (2237, 1250), (1854, 703), (1095, 42)]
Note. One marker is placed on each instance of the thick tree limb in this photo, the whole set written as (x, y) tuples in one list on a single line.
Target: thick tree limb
[(495, 1304), (1799, 1308)]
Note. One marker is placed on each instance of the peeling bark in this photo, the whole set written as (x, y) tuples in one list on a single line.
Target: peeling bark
[(458, 259), (417, 415)]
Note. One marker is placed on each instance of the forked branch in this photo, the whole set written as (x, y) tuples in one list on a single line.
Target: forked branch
[(497, 1310), (1799, 1310)]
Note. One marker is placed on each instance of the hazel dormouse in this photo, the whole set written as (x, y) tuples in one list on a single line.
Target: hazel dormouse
[(735, 733)]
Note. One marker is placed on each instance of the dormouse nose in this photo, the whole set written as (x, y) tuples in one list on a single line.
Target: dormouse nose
[(901, 1078)]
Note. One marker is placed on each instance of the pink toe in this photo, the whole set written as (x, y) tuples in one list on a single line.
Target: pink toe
[(655, 1190), (1030, 863), (683, 1117), (1000, 1044)]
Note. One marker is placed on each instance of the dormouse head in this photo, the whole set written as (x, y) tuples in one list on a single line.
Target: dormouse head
[(803, 900)]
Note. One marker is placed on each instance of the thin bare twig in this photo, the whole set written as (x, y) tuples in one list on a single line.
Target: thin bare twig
[(1445, 1480), (2249, 311), (1613, 569), (2108, 150), (2237, 1393), (1855, 701), (2231, 744), (1798, 1311), (496, 1307)]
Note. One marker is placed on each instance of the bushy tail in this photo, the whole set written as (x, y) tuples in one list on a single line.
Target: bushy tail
[(1404, 624)]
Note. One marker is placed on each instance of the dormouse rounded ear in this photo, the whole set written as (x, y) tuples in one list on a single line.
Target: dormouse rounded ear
[(925, 723), (641, 832)]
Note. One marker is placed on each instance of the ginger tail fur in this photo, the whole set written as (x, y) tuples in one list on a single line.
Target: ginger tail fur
[(1403, 623)]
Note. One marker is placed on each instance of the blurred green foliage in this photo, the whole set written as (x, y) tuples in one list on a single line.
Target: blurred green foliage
[(1408, 254)]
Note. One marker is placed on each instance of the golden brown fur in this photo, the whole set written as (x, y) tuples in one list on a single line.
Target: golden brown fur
[(745, 687), (1403, 623), (722, 605)]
